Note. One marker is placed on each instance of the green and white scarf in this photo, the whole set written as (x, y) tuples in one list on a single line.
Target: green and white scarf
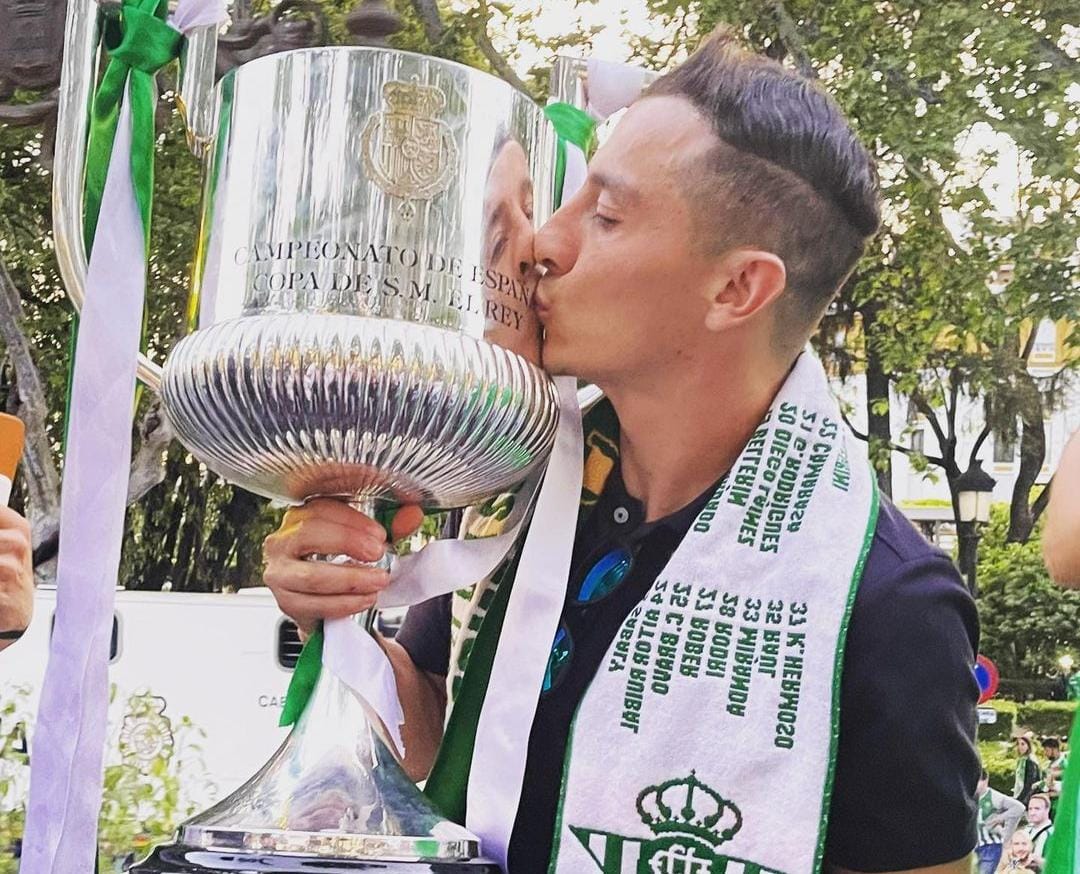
[(720, 694)]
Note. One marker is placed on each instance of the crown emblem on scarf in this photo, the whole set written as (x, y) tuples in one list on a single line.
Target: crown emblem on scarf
[(687, 806)]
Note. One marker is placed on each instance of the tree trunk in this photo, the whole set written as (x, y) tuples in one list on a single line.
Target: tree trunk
[(41, 474), (878, 425), (1032, 456)]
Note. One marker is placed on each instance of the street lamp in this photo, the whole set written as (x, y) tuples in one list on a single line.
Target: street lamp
[(974, 492)]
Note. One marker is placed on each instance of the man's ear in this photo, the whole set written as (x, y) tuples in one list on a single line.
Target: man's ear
[(747, 282)]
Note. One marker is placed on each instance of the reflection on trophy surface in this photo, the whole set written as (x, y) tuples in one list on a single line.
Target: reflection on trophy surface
[(508, 250)]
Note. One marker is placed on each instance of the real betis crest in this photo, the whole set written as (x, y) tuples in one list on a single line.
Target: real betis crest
[(689, 821)]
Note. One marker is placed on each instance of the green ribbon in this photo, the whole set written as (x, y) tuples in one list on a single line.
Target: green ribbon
[(572, 125), (138, 42), (305, 675), (1062, 852)]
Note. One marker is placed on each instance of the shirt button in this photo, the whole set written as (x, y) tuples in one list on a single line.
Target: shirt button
[(621, 515)]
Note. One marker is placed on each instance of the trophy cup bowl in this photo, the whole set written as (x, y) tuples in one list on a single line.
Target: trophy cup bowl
[(360, 328)]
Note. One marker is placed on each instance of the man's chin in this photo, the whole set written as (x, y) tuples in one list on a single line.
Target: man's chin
[(553, 363)]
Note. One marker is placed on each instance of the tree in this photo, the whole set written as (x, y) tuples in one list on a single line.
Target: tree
[(1027, 622), (944, 304)]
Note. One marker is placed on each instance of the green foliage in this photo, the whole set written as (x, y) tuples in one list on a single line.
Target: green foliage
[(941, 92), (1028, 623), (1006, 720), (1046, 718), (13, 773), (143, 802), (999, 759)]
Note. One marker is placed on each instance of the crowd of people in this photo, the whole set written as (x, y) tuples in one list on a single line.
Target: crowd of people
[(1014, 829)]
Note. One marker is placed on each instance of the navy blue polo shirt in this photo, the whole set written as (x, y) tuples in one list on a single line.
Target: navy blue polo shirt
[(906, 761)]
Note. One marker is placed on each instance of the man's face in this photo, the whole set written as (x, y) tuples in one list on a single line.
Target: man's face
[(623, 294), (1021, 846), (1037, 811)]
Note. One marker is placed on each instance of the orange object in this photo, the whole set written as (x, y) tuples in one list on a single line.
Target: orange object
[(12, 432)]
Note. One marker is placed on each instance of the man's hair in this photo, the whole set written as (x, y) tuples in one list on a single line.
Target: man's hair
[(1051, 742), (787, 174), (1040, 796)]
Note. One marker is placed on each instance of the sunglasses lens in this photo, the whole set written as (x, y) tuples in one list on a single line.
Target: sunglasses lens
[(561, 650), (605, 575)]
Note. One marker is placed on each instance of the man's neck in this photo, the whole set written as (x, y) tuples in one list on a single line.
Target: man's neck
[(678, 437)]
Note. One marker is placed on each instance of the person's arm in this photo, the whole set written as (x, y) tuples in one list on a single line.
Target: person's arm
[(16, 577), (310, 591), (906, 771), (1061, 538), (423, 700), (1011, 812)]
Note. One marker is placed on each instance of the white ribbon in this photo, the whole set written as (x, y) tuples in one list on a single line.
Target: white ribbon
[(537, 602), (69, 736)]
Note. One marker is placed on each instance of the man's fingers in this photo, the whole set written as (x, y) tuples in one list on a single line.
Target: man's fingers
[(320, 578), (12, 521), (322, 537), (307, 609), (334, 510), (406, 521), (15, 544)]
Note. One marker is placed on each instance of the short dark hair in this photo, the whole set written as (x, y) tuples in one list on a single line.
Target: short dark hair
[(788, 173)]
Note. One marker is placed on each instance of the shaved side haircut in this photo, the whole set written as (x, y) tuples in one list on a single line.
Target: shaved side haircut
[(787, 174)]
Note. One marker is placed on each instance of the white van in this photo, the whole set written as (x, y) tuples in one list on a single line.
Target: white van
[(222, 660)]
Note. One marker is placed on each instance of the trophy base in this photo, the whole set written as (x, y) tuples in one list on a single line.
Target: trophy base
[(181, 859)]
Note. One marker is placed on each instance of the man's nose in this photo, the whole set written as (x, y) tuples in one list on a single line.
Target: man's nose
[(555, 246)]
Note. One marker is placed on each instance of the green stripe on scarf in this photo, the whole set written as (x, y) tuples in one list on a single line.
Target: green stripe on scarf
[(447, 785), (1062, 853)]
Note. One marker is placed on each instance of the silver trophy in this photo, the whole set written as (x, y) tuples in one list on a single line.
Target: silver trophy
[(361, 328)]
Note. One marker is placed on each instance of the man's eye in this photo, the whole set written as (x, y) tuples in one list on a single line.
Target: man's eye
[(604, 221)]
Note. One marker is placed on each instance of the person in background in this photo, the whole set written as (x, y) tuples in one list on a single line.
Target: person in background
[(1050, 785), (1061, 537), (1038, 827), (1028, 772), (16, 577), (1018, 858), (998, 816)]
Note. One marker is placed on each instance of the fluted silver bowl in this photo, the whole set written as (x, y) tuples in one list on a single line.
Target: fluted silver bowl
[(292, 406)]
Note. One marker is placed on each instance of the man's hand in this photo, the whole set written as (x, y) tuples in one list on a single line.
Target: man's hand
[(308, 591), (16, 576)]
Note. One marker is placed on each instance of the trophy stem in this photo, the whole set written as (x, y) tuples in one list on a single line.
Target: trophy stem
[(334, 789)]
